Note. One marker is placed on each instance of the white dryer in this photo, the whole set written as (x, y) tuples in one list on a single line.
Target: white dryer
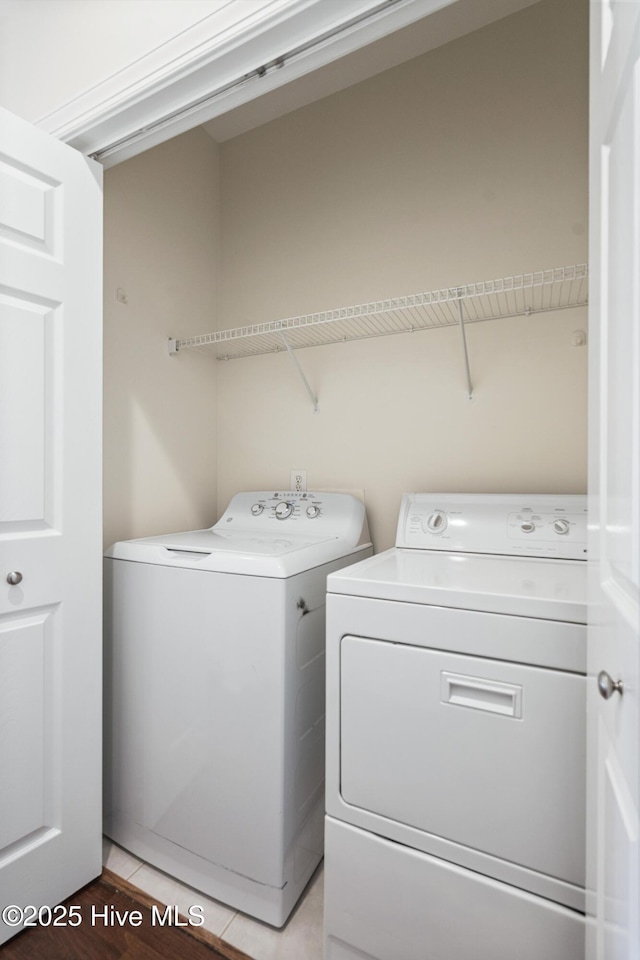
[(214, 695), (456, 666)]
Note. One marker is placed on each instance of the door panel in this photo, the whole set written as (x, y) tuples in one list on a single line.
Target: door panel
[(50, 518), (30, 202), (22, 645), (24, 331)]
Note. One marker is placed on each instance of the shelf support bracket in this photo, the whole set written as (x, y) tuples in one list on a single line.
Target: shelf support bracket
[(312, 396), (466, 352)]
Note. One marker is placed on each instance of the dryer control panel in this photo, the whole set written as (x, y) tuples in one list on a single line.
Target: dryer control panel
[(544, 525)]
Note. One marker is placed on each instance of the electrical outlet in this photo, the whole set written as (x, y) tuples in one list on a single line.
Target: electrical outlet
[(298, 480)]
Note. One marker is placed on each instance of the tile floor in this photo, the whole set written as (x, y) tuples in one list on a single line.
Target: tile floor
[(299, 939)]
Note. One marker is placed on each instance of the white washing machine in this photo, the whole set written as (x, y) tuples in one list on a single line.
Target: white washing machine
[(456, 664), (214, 695)]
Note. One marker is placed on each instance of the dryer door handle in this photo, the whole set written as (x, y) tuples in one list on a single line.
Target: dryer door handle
[(478, 693)]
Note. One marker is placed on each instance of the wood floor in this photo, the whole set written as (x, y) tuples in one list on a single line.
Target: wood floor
[(106, 939)]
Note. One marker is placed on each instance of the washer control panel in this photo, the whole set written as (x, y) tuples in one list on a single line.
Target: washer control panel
[(284, 513), (544, 525), (280, 505)]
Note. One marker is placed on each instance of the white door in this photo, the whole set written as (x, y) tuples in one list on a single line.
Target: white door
[(614, 633), (50, 520)]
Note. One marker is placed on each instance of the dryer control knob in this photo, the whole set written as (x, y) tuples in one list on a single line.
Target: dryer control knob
[(257, 509), (561, 526), (527, 526), (437, 522), (284, 510)]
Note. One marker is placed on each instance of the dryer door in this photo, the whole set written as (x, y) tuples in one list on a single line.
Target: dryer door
[(480, 752)]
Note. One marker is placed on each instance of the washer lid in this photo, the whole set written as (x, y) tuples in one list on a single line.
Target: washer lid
[(244, 542), (240, 552), (546, 589), (262, 534)]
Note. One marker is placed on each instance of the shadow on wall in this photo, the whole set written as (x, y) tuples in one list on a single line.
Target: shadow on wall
[(160, 447), (161, 253)]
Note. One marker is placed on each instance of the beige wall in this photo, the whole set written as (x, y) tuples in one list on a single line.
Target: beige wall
[(465, 164), (162, 250)]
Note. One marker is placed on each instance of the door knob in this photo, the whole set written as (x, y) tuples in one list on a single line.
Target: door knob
[(14, 578), (607, 687)]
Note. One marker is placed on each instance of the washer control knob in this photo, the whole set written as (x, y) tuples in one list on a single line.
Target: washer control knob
[(313, 511), (561, 527), (284, 510), (527, 526), (257, 509), (437, 522)]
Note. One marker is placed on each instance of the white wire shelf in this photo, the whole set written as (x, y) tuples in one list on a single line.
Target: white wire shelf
[(545, 290)]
